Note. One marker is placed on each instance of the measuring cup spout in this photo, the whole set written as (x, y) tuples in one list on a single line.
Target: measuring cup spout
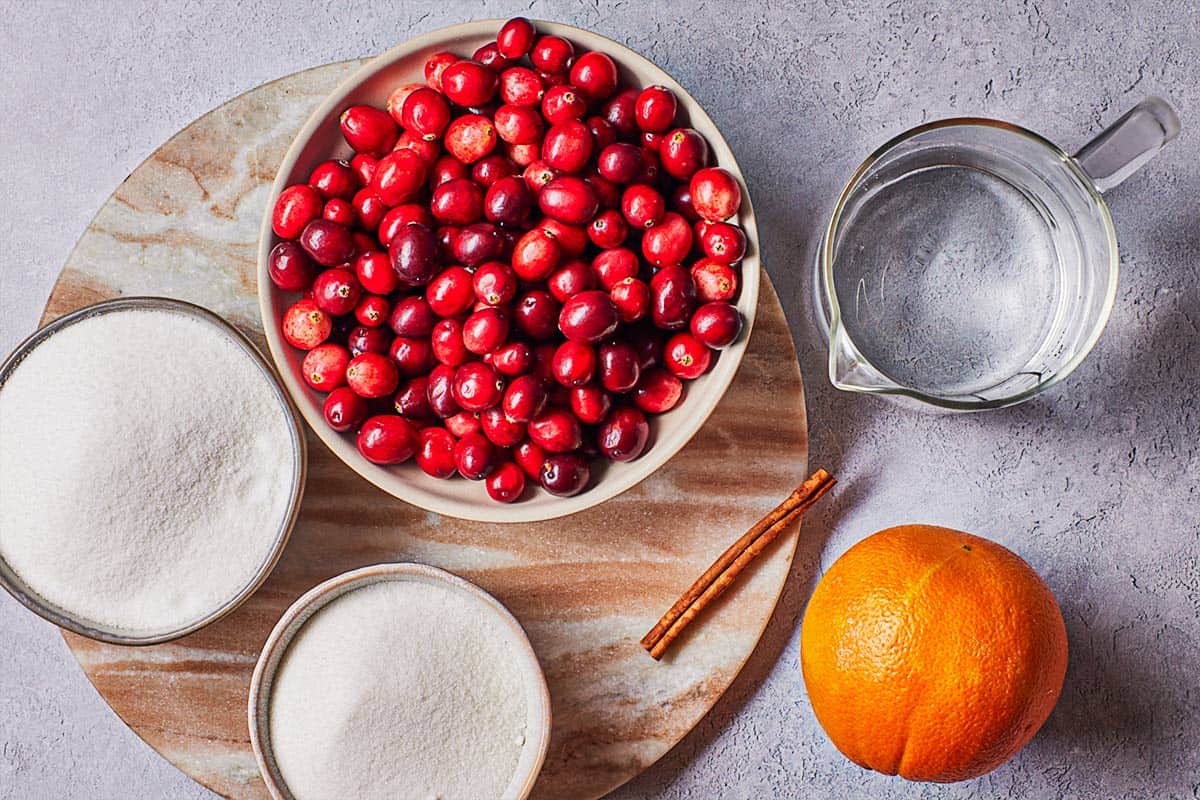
[(848, 369), (1126, 145)]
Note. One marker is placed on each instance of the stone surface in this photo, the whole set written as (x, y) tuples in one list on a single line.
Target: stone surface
[(1095, 483)]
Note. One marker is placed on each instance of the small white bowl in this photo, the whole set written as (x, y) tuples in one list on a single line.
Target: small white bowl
[(321, 139), (537, 735)]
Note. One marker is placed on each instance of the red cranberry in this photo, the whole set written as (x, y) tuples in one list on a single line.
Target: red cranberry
[(506, 484), (552, 54), (571, 279), (463, 423), (485, 330), (567, 146), (513, 359), (596, 75), (457, 202), (446, 169), (364, 167), (428, 151), (574, 363), (535, 256), (290, 267), (648, 341), (446, 236), (674, 296), (387, 439), (536, 315), (715, 194), (477, 387), (522, 155), (590, 403), (603, 134), (468, 84), (624, 434), (369, 209), (724, 242), (372, 310), (399, 177), (478, 243), (369, 130), (620, 112), (643, 206), (336, 291), (501, 429), (681, 203), (669, 242), (538, 174), (529, 458), (569, 199), (571, 239), (435, 66), (608, 194), (615, 265), (451, 292), (519, 124), (658, 391), (372, 375), (714, 280), (490, 169), (620, 162), (655, 109), (475, 456), (515, 38), (683, 151), (490, 56), (412, 401), (525, 398), (344, 409), (362, 339), (441, 391), (327, 243), (632, 299), (716, 324), (412, 356), (588, 317), (404, 214), (556, 431), (324, 367), (340, 212), (334, 180), (435, 452), (619, 367), (414, 254), (564, 474), (305, 326), (470, 137), (686, 356), (447, 343), (520, 86), (508, 202), (608, 229)]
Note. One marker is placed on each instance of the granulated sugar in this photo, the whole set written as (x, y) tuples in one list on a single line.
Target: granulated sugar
[(145, 469), (400, 689)]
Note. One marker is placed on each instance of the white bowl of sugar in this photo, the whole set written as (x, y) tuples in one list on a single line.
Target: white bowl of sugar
[(151, 470), (399, 681)]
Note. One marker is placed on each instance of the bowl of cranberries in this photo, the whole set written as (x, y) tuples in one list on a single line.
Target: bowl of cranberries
[(507, 270)]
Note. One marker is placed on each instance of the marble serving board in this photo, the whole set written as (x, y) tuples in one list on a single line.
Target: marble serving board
[(585, 587)]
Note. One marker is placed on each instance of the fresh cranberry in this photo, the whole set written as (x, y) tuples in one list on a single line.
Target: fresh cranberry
[(364, 167), (412, 401), (571, 279), (372, 375), (513, 359), (475, 456), (681, 202), (655, 109), (715, 194), (522, 155), (435, 66), (520, 86), (369, 209), (412, 317), (446, 236), (714, 280), (673, 295), (615, 265), (669, 242), (412, 356), (469, 84), (588, 317), (477, 386), (535, 256), (525, 398), (716, 324), (608, 229), (340, 212), (457, 202), (428, 150), (470, 137), (529, 458), (399, 176), (569, 199), (435, 452), (372, 310), (571, 239), (519, 124), (375, 273), (485, 330), (387, 439), (683, 152), (446, 169), (603, 134), (395, 101), (596, 75), (414, 254), (632, 299), (305, 326), (567, 146), (327, 243), (344, 410), (643, 206), (620, 112), (508, 202), (506, 484), (404, 214), (590, 403), (334, 180), (620, 162), (724, 242), (515, 38), (290, 267), (619, 367), (324, 367), (564, 474), (463, 423), (478, 243), (368, 130), (658, 391), (574, 363), (489, 169), (500, 429), (552, 54), (362, 339), (536, 314), (441, 391), (336, 291), (447, 343), (451, 293), (608, 194), (490, 56), (556, 431), (624, 434), (686, 356)]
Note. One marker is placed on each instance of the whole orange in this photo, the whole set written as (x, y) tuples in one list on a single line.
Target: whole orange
[(932, 654)]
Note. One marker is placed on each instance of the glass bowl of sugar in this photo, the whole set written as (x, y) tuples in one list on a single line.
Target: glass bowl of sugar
[(152, 469)]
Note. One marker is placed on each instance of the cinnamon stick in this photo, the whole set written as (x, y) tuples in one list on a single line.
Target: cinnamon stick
[(725, 570)]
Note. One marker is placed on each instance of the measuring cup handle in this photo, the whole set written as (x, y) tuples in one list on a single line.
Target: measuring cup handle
[(1123, 147)]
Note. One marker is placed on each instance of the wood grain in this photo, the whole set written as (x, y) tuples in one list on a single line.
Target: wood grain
[(586, 587)]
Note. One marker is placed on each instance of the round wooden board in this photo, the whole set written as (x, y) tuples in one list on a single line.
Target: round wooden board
[(586, 587)]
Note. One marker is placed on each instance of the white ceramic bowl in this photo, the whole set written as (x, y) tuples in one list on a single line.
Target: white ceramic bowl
[(537, 731), (321, 139)]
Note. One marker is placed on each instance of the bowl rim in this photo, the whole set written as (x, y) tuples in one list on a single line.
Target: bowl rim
[(699, 408), (297, 615), (27, 597)]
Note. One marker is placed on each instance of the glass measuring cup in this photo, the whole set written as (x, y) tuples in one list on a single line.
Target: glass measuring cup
[(971, 263)]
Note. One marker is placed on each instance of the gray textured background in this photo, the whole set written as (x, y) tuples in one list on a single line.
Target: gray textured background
[(1095, 483)]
